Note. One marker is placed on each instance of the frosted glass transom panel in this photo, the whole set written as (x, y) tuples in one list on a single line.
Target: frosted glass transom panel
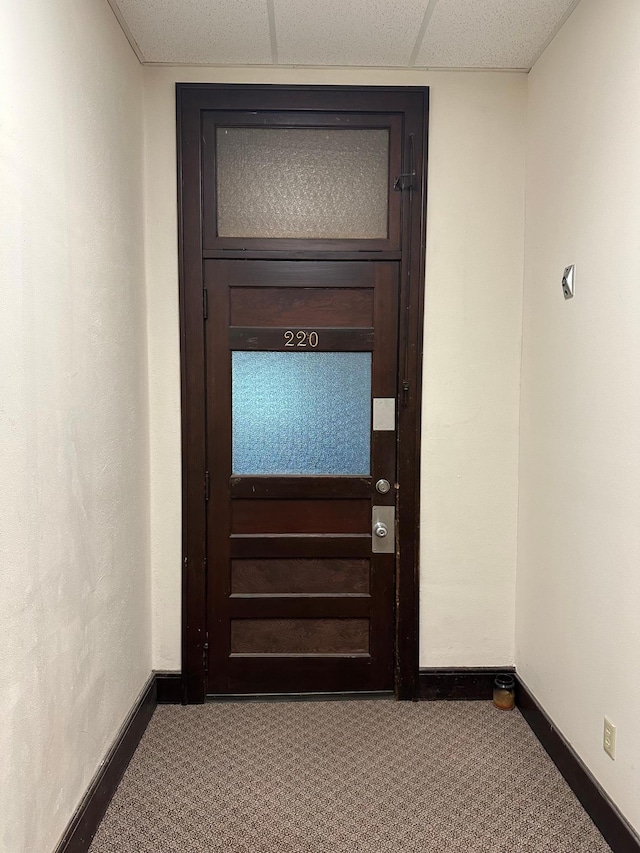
[(322, 183), (301, 413)]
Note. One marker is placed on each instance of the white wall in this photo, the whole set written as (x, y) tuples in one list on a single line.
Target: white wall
[(74, 585), (578, 591), (472, 361)]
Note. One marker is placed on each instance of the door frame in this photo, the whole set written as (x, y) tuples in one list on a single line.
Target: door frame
[(412, 104)]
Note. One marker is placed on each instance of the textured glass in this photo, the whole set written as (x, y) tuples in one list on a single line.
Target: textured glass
[(301, 412), (304, 183)]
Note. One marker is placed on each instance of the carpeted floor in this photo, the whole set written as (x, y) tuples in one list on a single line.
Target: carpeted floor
[(343, 777)]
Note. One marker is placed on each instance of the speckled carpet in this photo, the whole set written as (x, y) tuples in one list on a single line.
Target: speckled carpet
[(343, 777)]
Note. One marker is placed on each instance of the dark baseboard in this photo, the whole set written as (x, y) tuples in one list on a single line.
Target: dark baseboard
[(86, 820), (169, 688), (459, 683), (614, 828)]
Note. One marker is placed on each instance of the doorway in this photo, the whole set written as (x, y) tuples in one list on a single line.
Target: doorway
[(302, 215)]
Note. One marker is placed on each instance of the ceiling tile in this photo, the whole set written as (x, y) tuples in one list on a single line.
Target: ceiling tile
[(214, 32), (347, 32), (489, 33)]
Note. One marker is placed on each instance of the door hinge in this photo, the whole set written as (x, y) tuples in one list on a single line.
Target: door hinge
[(205, 303), (206, 485), (205, 657), (405, 392)]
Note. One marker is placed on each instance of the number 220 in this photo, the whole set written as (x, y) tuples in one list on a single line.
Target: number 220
[(300, 338)]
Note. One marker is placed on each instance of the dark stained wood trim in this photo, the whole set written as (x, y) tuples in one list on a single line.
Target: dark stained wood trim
[(459, 683), (168, 688), (413, 286), (218, 509), (298, 255), (225, 96), (614, 828), (86, 820), (192, 392), (335, 696), (284, 339), (260, 486), (412, 104), (384, 567)]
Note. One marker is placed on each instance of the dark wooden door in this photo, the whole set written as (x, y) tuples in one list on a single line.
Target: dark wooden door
[(297, 352), (302, 221)]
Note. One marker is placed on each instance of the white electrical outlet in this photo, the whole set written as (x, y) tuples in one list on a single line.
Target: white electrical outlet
[(609, 739)]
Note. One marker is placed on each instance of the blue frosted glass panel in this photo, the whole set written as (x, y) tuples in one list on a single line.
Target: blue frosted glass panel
[(301, 413)]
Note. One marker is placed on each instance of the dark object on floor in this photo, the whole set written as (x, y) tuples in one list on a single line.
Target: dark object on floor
[(504, 692)]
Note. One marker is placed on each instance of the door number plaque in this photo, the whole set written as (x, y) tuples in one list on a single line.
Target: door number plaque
[(300, 338)]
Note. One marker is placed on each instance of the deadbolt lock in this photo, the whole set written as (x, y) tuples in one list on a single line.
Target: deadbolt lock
[(383, 486)]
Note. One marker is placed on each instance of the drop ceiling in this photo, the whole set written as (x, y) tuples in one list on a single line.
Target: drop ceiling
[(496, 34)]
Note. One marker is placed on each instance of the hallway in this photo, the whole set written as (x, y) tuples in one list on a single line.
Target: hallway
[(350, 777), (525, 469)]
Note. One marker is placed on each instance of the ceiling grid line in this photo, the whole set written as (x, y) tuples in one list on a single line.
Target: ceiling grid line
[(428, 12), (273, 37)]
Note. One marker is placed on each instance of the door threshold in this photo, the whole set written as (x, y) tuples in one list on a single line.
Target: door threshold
[(300, 697)]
